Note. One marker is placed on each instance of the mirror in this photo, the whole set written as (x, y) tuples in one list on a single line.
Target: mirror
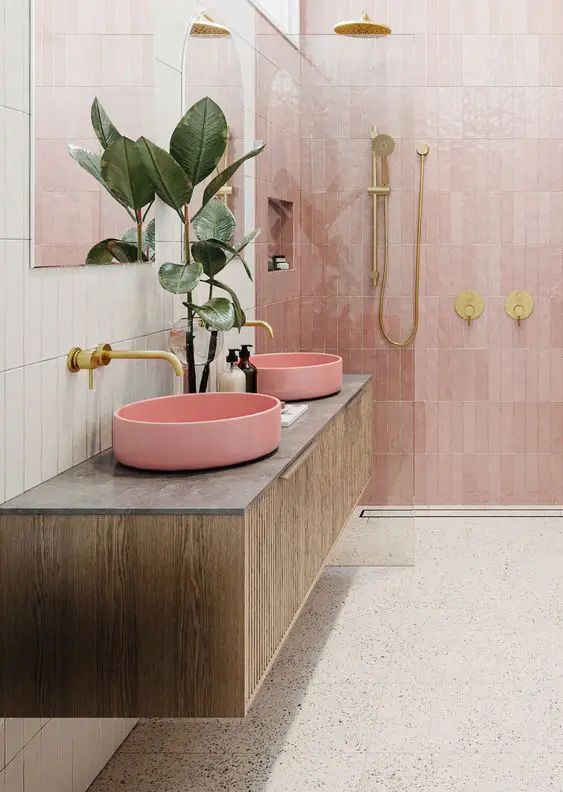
[(211, 67), (83, 50)]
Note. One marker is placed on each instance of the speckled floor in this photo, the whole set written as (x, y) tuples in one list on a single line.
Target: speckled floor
[(442, 677)]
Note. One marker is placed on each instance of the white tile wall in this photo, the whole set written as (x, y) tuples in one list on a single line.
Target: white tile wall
[(57, 754), (48, 419)]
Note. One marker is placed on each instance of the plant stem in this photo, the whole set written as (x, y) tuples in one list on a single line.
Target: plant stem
[(211, 351), (210, 358), (139, 216), (192, 388)]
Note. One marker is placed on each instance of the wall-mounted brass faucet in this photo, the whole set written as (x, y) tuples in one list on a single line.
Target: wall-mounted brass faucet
[(91, 359), (264, 325)]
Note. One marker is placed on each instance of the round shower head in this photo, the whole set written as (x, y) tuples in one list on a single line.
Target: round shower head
[(383, 145), (203, 25), (362, 28)]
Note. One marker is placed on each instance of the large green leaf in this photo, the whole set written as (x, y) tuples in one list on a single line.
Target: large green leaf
[(123, 171), (180, 278), (240, 316), (150, 234), (218, 313), (170, 182), (109, 249), (228, 248), (241, 246), (223, 177), (90, 162), (200, 139), (210, 255), (104, 129), (215, 222)]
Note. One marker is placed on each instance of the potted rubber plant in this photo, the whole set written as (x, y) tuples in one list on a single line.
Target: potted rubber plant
[(196, 148), (120, 171)]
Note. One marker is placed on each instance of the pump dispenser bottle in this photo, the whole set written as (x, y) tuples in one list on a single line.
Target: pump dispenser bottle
[(233, 379), (248, 368)]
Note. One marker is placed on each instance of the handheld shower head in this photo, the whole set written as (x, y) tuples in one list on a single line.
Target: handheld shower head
[(383, 145)]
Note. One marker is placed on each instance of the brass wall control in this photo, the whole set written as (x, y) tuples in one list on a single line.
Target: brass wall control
[(519, 305), (469, 305)]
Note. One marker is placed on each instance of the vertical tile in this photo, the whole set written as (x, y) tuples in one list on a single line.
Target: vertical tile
[(49, 419), (14, 774), (13, 277), (65, 731), (2, 440), (32, 770), (33, 406), (50, 756), (14, 432), (14, 741), (2, 737)]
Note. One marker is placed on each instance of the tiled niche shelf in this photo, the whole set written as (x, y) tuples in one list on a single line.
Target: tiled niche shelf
[(280, 224)]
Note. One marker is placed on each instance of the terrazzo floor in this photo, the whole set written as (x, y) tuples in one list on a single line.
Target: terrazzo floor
[(442, 677)]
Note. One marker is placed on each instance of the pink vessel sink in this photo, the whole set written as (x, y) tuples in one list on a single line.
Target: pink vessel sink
[(295, 376), (196, 431)]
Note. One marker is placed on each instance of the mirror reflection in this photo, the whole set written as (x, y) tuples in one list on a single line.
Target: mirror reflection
[(82, 52)]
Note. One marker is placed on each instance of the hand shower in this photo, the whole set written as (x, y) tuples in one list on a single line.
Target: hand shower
[(382, 146)]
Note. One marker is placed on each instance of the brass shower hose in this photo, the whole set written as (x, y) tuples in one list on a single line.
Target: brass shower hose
[(383, 191)]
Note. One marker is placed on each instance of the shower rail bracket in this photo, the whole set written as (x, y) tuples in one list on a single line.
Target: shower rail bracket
[(385, 190)]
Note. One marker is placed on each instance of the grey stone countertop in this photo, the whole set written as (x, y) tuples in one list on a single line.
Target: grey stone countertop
[(101, 485)]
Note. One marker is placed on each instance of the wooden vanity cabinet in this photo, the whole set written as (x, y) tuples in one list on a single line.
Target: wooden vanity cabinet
[(171, 615)]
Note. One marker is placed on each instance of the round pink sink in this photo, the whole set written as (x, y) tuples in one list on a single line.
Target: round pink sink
[(196, 431), (295, 376)]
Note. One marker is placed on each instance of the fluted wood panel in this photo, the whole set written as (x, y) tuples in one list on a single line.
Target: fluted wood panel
[(292, 527)]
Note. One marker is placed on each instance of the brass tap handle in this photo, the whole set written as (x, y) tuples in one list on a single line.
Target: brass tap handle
[(519, 305), (469, 305)]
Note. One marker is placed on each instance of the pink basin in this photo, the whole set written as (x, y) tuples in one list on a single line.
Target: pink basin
[(294, 376), (196, 431)]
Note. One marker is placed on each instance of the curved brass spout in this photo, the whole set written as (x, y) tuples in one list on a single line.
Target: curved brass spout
[(264, 325), (91, 359), (107, 355)]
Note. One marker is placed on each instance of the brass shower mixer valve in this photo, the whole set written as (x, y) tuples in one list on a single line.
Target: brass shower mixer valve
[(469, 305), (519, 305)]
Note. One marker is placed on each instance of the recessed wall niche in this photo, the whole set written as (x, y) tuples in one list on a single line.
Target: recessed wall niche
[(281, 233)]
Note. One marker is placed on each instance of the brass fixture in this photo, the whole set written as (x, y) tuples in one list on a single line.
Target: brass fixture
[(519, 305), (90, 359), (204, 25), (469, 305), (381, 147), (362, 28), (264, 325)]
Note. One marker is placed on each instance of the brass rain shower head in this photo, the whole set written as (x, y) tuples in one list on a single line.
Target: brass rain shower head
[(362, 28), (203, 25)]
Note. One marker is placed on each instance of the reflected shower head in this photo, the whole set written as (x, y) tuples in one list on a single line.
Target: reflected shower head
[(362, 28), (203, 25), (383, 145)]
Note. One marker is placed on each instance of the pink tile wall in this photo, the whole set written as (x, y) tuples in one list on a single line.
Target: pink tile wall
[(278, 177), (470, 415), (83, 50)]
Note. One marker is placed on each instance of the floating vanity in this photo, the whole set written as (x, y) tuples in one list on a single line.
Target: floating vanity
[(128, 593)]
